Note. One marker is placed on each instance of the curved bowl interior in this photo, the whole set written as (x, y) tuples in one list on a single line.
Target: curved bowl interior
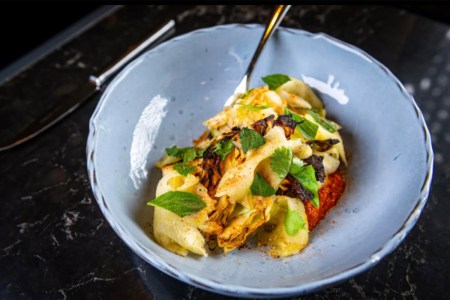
[(162, 99)]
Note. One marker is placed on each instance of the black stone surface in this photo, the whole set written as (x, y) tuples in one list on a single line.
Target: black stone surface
[(55, 242)]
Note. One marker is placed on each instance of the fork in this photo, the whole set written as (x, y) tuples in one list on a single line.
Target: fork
[(273, 23)]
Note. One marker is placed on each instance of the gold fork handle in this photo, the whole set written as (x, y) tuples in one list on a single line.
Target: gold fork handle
[(278, 15)]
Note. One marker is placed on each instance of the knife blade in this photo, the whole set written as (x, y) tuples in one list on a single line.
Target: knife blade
[(94, 85)]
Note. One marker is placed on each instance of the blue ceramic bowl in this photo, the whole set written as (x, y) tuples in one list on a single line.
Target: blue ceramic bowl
[(162, 98)]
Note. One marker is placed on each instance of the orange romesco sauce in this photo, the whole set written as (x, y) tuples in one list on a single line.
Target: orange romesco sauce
[(329, 194)]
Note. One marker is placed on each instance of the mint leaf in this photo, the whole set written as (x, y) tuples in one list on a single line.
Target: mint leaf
[(183, 169), (293, 222), (223, 148), (307, 128), (260, 187), (306, 175), (275, 80), (180, 203), (324, 123), (250, 139), (252, 107), (187, 154), (280, 161)]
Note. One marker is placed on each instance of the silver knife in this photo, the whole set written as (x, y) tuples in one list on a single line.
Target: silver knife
[(94, 84)]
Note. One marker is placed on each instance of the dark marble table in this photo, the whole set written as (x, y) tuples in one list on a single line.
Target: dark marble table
[(55, 242)]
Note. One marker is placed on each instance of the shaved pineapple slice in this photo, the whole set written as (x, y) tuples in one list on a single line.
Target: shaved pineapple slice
[(274, 234), (302, 90)]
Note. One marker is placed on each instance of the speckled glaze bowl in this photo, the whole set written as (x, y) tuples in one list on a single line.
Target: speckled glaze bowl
[(162, 98)]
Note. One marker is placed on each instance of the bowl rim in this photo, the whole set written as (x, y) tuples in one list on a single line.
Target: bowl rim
[(245, 291)]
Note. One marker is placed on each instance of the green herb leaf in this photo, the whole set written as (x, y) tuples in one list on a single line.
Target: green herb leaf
[(250, 139), (223, 148), (293, 222), (260, 187), (180, 203), (307, 128), (296, 165), (176, 152), (187, 154), (183, 169), (252, 107), (280, 161), (306, 175), (275, 80), (201, 151), (323, 122)]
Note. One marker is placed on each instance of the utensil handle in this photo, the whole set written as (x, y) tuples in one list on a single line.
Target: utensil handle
[(278, 15), (110, 71)]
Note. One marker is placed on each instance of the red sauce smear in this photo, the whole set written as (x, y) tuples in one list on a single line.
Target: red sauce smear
[(329, 194)]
